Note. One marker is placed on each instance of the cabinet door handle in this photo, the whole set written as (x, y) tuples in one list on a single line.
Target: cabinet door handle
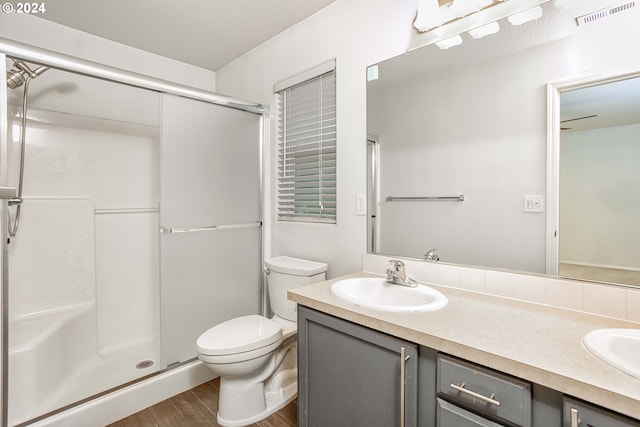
[(403, 361), (575, 421), (489, 400)]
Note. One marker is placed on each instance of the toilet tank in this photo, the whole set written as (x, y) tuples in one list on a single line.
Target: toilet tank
[(284, 273)]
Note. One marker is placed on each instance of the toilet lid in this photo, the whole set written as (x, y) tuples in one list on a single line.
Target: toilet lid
[(238, 335)]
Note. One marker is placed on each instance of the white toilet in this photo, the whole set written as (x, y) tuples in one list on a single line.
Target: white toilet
[(256, 357)]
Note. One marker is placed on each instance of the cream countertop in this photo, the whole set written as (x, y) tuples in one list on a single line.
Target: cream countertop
[(535, 342)]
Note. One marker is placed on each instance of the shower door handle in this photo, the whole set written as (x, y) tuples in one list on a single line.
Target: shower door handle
[(8, 193)]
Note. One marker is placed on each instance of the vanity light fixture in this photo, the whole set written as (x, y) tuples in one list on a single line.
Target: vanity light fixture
[(485, 30), (435, 18), (460, 8), (431, 14), (428, 16), (525, 16), (449, 42)]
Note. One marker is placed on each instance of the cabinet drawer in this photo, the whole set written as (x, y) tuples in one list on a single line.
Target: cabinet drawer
[(584, 414), (450, 415), (493, 394)]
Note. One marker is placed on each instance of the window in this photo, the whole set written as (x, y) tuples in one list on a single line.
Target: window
[(307, 150)]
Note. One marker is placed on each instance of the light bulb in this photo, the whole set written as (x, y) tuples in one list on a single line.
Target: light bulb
[(449, 42), (525, 16)]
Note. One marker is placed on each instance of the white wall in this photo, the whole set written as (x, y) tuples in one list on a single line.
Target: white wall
[(359, 33), (49, 35)]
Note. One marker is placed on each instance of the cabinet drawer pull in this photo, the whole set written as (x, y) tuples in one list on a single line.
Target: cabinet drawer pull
[(489, 400)]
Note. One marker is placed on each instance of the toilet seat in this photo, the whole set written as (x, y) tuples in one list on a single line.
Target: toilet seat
[(289, 328), (241, 338)]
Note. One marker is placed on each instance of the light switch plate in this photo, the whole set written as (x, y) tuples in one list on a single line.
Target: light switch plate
[(361, 204), (533, 204)]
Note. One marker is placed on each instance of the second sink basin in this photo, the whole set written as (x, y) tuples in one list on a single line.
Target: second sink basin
[(618, 347), (376, 293)]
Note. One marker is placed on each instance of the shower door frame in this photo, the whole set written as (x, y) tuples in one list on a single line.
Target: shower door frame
[(4, 263), (16, 50)]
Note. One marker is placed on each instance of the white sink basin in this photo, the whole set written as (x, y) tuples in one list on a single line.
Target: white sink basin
[(618, 347), (377, 294)]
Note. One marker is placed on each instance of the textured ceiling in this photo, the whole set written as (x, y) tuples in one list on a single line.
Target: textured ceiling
[(205, 33)]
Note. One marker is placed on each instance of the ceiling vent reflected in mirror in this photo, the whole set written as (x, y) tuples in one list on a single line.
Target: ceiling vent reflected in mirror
[(604, 13)]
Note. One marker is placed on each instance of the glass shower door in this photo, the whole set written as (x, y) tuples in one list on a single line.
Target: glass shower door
[(210, 221)]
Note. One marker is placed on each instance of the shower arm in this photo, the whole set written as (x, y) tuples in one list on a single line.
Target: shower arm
[(25, 68)]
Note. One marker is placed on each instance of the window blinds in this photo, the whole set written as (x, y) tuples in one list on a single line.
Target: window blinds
[(307, 150)]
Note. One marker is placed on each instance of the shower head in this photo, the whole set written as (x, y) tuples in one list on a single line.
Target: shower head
[(17, 76), (15, 79)]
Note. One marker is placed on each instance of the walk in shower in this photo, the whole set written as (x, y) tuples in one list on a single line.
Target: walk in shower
[(139, 226)]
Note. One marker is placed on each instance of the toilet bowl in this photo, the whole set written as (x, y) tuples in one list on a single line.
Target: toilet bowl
[(256, 356)]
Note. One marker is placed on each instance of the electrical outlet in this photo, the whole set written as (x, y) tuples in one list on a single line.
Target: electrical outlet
[(361, 204), (533, 204)]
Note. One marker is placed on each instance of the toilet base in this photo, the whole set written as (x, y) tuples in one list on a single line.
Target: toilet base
[(274, 394)]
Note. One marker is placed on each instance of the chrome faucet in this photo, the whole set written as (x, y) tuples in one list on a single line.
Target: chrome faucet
[(431, 255), (396, 274)]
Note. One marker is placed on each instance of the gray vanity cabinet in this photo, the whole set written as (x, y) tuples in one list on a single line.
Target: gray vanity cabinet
[(580, 414), (349, 375)]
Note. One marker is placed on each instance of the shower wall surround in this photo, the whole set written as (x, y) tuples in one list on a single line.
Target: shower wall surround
[(84, 265)]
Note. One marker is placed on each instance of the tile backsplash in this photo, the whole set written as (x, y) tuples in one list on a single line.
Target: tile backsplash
[(606, 300)]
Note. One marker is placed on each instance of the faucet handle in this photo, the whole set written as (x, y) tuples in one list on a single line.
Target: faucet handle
[(396, 265), (431, 255)]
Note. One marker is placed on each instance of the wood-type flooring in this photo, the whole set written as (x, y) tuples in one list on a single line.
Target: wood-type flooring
[(197, 408)]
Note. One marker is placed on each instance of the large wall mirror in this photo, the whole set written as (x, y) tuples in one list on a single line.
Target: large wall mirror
[(482, 152)]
